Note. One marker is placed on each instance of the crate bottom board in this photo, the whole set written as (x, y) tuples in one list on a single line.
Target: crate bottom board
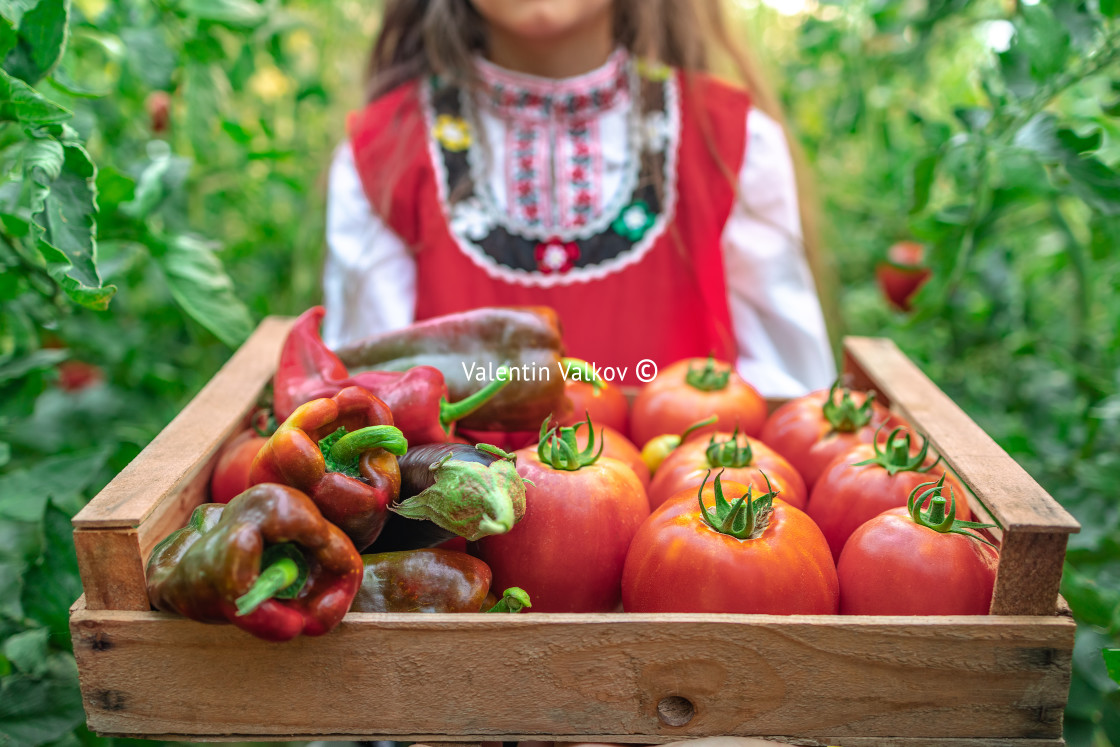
[(465, 677)]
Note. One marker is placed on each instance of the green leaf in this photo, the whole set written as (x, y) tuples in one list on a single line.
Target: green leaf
[(1080, 144), (8, 36), (20, 544), (62, 479), (1040, 135), (43, 159), (1112, 662), (52, 584), (1095, 183), (35, 711), (13, 10), (205, 88), (37, 360), (922, 181), (234, 13), (1043, 39), (1110, 8), (68, 243), (21, 103), (28, 651), (974, 118), (42, 38), (200, 285)]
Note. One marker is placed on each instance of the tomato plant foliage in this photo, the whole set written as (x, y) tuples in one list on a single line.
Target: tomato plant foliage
[(161, 171)]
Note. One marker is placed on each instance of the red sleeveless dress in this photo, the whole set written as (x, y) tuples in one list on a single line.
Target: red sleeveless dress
[(644, 279)]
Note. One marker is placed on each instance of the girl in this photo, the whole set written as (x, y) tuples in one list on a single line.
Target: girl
[(575, 154)]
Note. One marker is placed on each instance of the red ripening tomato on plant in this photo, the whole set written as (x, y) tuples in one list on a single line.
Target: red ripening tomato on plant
[(813, 430), (581, 511), (590, 395), (701, 552), (740, 458), (904, 562), (695, 388), (902, 273), (867, 480)]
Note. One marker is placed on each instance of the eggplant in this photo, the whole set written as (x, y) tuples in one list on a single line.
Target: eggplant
[(450, 490)]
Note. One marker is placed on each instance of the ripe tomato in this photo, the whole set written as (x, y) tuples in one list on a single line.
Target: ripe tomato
[(902, 273), (695, 388), (158, 104), (742, 459), (231, 473), (813, 430), (681, 562), (866, 480), (905, 563), (75, 376), (591, 396), (581, 511)]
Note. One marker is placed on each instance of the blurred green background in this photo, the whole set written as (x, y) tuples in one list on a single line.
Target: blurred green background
[(986, 130)]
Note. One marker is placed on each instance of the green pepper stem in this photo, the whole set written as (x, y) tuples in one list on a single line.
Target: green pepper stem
[(347, 449), (277, 579), (449, 412), (587, 373), (514, 599)]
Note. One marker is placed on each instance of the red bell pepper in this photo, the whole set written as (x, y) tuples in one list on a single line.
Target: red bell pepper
[(417, 397), (340, 451)]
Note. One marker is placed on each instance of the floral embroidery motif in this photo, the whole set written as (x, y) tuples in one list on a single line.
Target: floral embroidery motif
[(554, 256), (469, 219), (634, 220), (655, 132), (453, 133)]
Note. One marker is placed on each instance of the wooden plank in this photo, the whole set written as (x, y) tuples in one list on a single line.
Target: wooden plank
[(1013, 497), (111, 569), (574, 677), (185, 447), (1029, 573), (421, 740)]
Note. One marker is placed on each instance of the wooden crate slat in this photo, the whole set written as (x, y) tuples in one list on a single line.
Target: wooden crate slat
[(474, 676), (1005, 488), (187, 444), (111, 569)]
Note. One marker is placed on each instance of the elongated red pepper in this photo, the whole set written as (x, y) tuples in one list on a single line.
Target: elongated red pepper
[(417, 397), (340, 451)]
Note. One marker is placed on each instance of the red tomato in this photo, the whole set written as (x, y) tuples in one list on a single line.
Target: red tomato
[(679, 563), (231, 473), (903, 273), (74, 376), (691, 389), (742, 459), (892, 565), (602, 401), (159, 111), (617, 446), (810, 432), (568, 550), (847, 495)]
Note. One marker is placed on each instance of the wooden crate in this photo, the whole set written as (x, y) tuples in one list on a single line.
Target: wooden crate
[(857, 681)]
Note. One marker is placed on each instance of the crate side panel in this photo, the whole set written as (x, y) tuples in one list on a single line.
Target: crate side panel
[(111, 569), (578, 676)]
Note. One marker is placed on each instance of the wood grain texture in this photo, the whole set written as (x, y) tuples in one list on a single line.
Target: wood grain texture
[(1013, 497), (476, 677), (112, 572), (1029, 574), (186, 446)]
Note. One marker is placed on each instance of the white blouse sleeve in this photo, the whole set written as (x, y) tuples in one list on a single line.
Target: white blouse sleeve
[(369, 278), (784, 350)]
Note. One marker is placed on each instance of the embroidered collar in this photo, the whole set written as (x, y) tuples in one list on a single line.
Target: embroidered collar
[(514, 95)]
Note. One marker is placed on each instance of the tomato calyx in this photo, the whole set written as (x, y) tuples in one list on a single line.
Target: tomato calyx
[(563, 452), (937, 518), (708, 378), (586, 371), (744, 519), (514, 599), (729, 453), (846, 416), (895, 456)]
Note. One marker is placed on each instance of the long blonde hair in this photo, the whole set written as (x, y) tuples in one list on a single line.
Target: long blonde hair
[(440, 37)]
